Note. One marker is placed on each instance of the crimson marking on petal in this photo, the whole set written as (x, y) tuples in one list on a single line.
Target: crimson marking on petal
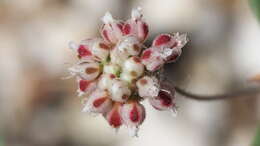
[(173, 57), (125, 96), (120, 26), (91, 70), (83, 85), (103, 46), (126, 29), (146, 54), (143, 81), (99, 101), (165, 98), (105, 35), (115, 119), (174, 45), (112, 76), (84, 51), (134, 116), (136, 47), (162, 40), (145, 30), (137, 60)]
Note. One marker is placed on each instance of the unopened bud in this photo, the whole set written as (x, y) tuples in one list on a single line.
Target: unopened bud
[(133, 115), (98, 102), (148, 87)]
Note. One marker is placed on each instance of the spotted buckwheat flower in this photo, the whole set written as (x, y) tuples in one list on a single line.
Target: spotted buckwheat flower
[(116, 73)]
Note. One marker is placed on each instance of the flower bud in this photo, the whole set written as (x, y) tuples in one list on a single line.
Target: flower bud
[(133, 115), (118, 57), (111, 69), (134, 67), (148, 87), (97, 48), (120, 91), (114, 116), (152, 59), (170, 45), (98, 102), (136, 26), (164, 40), (164, 101), (112, 30), (106, 81), (129, 45), (85, 86), (91, 49), (86, 70)]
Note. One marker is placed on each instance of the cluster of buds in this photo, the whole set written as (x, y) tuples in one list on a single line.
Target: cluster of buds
[(115, 73)]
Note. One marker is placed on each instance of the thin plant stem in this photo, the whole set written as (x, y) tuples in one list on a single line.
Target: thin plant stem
[(250, 92)]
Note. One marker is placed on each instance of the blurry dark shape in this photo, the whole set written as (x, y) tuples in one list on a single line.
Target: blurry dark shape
[(255, 5), (257, 138)]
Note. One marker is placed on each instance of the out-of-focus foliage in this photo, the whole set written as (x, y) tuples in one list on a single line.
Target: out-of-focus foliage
[(257, 138), (255, 4), (1, 141)]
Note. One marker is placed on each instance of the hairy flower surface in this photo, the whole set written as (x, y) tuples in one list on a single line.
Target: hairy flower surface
[(116, 72)]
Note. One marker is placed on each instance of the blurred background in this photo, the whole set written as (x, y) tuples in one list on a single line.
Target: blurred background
[(38, 108)]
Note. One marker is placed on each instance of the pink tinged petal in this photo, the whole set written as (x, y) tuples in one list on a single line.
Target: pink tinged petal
[(120, 91), (86, 70), (98, 102), (153, 59), (181, 40), (86, 87), (164, 40), (169, 46), (136, 26), (114, 117), (148, 87), (129, 45), (97, 49), (133, 115), (112, 30), (164, 101)]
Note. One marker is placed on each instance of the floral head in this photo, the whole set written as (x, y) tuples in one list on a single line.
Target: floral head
[(116, 72)]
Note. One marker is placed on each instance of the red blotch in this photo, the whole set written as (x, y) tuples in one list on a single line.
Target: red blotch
[(162, 40), (99, 101), (83, 84), (165, 98), (120, 26), (83, 51), (136, 59), (146, 54), (103, 46), (134, 116), (173, 57), (115, 119), (145, 30), (126, 29), (112, 76), (105, 35)]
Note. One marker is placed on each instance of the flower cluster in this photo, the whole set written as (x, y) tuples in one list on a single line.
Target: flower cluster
[(117, 72)]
